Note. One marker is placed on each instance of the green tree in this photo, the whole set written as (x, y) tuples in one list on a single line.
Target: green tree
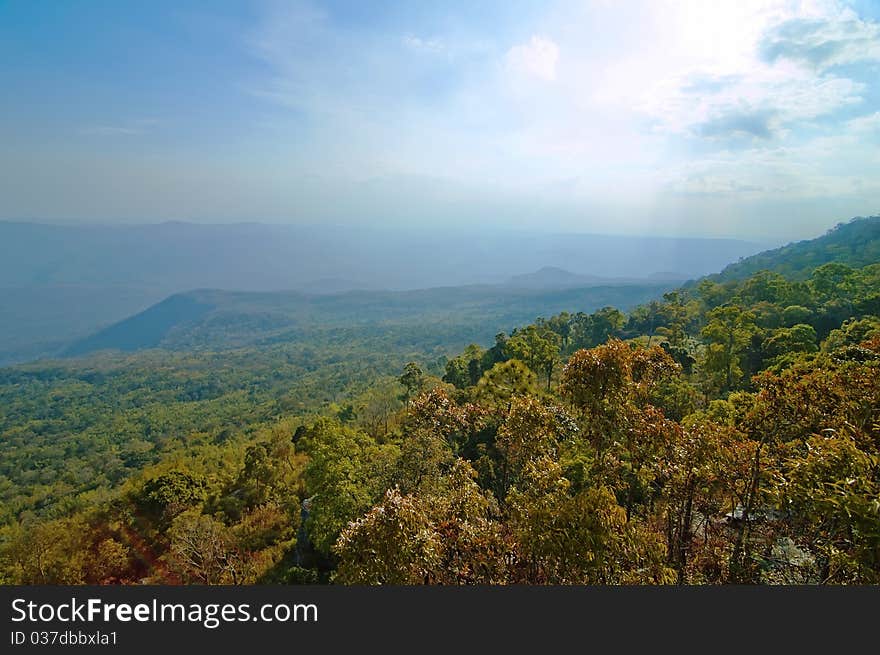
[(347, 472), (377, 407), (728, 333), (202, 550), (578, 538), (413, 380), (531, 430), (465, 370), (794, 314), (852, 333), (675, 316), (393, 543), (832, 281), (504, 381), (606, 323), (799, 338), (424, 455), (832, 489), (537, 347), (164, 497)]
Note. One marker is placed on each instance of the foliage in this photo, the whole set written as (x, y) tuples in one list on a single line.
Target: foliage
[(726, 433)]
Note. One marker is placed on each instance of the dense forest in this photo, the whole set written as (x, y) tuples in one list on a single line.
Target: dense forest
[(210, 367), (725, 432)]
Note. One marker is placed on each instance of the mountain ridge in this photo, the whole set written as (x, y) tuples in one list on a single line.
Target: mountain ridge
[(857, 241), (554, 277), (217, 319)]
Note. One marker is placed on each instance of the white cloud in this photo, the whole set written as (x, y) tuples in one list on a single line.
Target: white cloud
[(865, 124), (538, 57), (822, 43), (649, 98), (419, 44), (782, 95), (843, 163)]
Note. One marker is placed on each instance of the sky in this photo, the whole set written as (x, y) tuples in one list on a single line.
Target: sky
[(745, 118)]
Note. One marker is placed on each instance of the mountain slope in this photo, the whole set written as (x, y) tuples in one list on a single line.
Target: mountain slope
[(40, 321), (855, 243), (146, 329), (448, 316)]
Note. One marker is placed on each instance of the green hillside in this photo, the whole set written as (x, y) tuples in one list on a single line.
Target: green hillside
[(855, 243)]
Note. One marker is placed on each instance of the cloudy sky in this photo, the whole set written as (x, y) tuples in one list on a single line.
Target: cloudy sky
[(749, 118)]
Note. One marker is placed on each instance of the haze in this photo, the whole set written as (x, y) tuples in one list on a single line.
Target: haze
[(755, 120)]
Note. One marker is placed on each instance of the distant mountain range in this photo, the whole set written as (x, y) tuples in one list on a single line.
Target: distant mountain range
[(65, 289), (174, 257), (60, 283), (222, 319), (445, 316), (552, 277)]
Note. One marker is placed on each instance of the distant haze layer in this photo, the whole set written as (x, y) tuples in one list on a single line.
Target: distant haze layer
[(171, 257), (62, 282)]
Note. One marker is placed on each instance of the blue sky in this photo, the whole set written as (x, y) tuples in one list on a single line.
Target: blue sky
[(757, 119)]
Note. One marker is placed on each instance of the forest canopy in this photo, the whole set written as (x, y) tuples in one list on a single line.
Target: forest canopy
[(727, 432)]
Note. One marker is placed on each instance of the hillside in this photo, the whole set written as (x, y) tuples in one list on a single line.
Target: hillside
[(451, 317), (855, 243), (41, 321)]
